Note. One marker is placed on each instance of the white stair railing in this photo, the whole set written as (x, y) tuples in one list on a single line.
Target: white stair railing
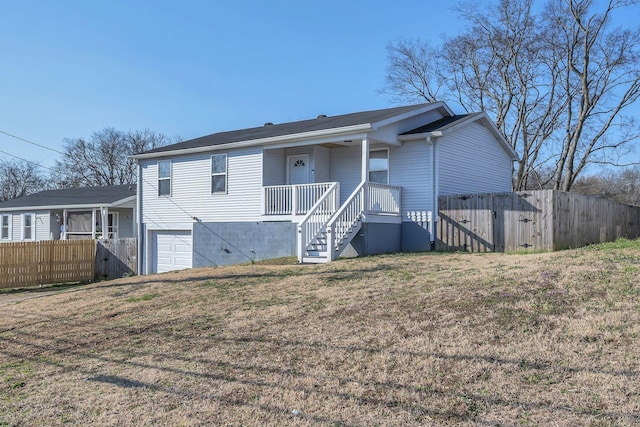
[(305, 196), (311, 228), (345, 220)]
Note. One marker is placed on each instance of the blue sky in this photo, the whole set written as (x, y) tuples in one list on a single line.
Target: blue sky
[(190, 68)]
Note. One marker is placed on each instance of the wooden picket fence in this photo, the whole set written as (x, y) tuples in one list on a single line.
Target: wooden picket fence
[(44, 262), (25, 264), (531, 220)]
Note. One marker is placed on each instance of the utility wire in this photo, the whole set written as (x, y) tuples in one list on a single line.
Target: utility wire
[(28, 161), (32, 143)]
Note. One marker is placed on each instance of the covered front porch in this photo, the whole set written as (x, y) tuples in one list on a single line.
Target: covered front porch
[(329, 190), (295, 178), (293, 202), (96, 223)]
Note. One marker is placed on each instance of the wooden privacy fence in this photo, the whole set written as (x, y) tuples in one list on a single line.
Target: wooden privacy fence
[(50, 261), (531, 220), (116, 258), (61, 261)]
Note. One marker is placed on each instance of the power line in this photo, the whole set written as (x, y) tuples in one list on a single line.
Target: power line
[(28, 161), (32, 143)]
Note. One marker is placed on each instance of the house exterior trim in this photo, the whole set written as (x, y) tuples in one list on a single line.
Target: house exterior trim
[(346, 131)]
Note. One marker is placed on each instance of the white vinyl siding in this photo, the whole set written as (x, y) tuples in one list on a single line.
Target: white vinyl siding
[(42, 221), (321, 164), (39, 229), (410, 167), (471, 161), (345, 168), (274, 168), (191, 198), (125, 222)]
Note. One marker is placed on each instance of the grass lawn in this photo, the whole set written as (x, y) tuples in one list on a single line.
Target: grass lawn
[(421, 339)]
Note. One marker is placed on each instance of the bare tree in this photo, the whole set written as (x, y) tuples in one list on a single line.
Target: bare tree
[(103, 158), (620, 185), (600, 79), (557, 82), (19, 178)]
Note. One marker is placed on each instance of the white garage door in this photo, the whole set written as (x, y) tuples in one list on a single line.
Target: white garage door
[(172, 249)]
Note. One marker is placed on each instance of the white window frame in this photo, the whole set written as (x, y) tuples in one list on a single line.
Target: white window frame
[(379, 170), (165, 178), (33, 226), (112, 231), (9, 226), (225, 173)]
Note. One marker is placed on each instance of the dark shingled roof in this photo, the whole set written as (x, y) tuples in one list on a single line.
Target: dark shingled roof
[(291, 128), (73, 196), (442, 124)]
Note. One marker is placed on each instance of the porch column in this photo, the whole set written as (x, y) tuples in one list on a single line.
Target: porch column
[(93, 223), (365, 174), (63, 229), (365, 159), (104, 217)]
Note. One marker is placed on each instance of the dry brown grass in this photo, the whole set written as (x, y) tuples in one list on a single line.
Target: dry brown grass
[(429, 339)]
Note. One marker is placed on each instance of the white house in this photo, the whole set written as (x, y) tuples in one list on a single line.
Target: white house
[(72, 213), (354, 184)]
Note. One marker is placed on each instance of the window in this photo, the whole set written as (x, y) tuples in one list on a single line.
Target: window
[(5, 229), (379, 166), (28, 227), (112, 225), (219, 173), (164, 178)]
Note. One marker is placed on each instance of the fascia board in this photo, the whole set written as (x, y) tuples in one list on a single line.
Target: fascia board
[(412, 113), (58, 207), (334, 140), (346, 131)]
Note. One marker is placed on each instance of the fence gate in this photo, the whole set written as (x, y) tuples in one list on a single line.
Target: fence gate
[(495, 222)]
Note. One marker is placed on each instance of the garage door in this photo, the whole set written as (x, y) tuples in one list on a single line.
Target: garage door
[(172, 249)]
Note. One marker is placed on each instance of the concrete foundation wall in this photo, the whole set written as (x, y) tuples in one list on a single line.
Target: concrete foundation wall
[(225, 243), (415, 237), (373, 239)]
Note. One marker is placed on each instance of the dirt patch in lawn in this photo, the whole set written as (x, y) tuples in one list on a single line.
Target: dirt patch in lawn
[(425, 339)]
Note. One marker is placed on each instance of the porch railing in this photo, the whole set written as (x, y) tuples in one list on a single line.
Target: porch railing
[(312, 225), (383, 199), (293, 199)]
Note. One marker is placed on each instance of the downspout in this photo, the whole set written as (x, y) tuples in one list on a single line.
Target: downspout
[(434, 190), (139, 216)]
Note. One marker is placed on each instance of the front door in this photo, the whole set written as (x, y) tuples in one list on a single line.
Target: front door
[(298, 169)]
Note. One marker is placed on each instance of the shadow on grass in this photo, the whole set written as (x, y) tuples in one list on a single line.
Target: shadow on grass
[(43, 288), (68, 347)]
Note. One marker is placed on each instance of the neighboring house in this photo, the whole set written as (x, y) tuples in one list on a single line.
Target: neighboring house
[(73, 213), (354, 184)]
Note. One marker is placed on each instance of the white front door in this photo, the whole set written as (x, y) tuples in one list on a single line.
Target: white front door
[(298, 169)]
